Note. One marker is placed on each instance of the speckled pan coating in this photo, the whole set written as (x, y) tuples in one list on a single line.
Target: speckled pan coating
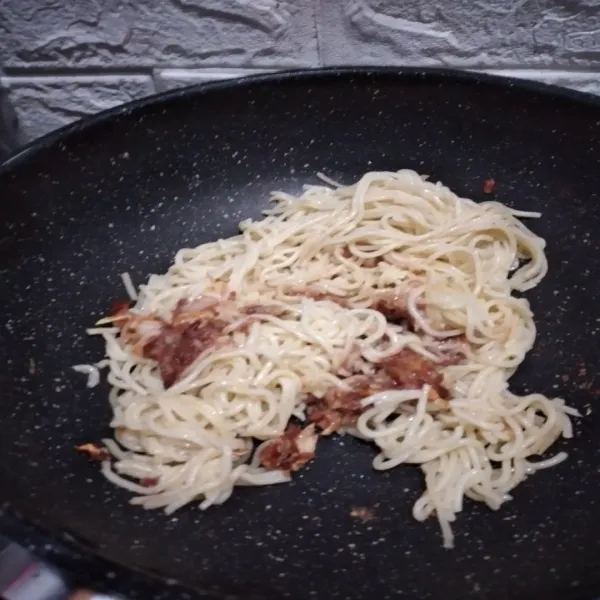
[(124, 191)]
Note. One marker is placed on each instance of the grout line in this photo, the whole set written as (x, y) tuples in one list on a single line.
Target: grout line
[(317, 14), (62, 71), (155, 72), (556, 72), (82, 78), (211, 71)]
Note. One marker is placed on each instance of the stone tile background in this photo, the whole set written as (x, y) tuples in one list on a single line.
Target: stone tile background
[(63, 60)]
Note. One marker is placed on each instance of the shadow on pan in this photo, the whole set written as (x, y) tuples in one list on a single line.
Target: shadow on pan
[(125, 190)]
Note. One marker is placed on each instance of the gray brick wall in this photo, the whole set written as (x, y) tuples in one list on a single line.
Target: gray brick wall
[(63, 60)]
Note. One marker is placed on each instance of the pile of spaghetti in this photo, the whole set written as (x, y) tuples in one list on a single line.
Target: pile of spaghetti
[(383, 310)]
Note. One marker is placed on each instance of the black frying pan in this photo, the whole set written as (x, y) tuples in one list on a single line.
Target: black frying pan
[(124, 190)]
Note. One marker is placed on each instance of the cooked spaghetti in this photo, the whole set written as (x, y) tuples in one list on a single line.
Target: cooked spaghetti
[(383, 309)]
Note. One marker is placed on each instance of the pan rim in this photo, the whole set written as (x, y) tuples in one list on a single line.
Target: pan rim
[(304, 74)]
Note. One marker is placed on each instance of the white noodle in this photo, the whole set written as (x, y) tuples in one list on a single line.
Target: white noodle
[(461, 259), (332, 182), (92, 373), (129, 287)]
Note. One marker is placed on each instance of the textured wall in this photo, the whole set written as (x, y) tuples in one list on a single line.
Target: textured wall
[(66, 59)]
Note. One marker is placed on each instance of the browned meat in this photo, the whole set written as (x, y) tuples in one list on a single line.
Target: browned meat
[(137, 331), (346, 253), (263, 309), (187, 311), (316, 294), (94, 451), (118, 307), (410, 370), (364, 513), (149, 481), (370, 263), (291, 450), (327, 420), (393, 307), (195, 326), (341, 408), (178, 346), (489, 186)]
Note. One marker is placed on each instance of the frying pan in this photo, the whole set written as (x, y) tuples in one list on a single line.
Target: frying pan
[(123, 191)]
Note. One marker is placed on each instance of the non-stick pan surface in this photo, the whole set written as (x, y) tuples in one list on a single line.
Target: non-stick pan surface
[(124, 191)]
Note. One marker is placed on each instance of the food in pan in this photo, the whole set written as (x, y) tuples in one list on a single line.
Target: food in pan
[(384, 310)]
